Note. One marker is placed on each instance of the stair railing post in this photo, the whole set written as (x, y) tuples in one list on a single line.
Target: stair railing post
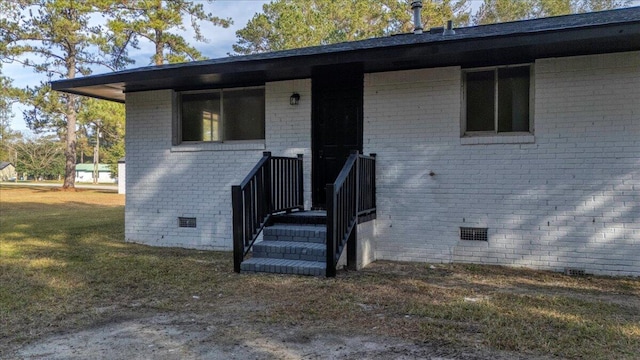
[(352, 256), (238, 241), (267, 185), (331, 232), (373, 180), (300, 183)]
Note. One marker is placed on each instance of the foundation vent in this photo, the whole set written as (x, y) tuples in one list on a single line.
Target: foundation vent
[(473, 234), (186, 222), (574, 272)]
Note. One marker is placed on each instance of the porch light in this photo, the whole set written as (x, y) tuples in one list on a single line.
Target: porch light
[(294, 99)]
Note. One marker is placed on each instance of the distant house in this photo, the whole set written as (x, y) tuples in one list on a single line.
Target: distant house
[(84, 173), (7, 171), (514, 144)]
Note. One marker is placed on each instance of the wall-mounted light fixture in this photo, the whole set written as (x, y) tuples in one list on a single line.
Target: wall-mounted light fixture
[(294, 99)]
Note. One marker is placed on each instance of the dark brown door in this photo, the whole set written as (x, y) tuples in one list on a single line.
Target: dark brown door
[(337, 125)]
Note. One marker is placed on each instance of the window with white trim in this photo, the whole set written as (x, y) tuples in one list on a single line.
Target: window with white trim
[(221, 115), (497, 100)]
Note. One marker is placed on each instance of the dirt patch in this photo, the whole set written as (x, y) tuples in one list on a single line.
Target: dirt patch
[(387, 311), (71, 288), (192, 336)]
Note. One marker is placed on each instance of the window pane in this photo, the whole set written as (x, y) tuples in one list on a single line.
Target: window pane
[(244, 114), (513, 99), (201, 117), (480, 101)]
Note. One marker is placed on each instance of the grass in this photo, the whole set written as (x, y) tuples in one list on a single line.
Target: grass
[(65, 267)]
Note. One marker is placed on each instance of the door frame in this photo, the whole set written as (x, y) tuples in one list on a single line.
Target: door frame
[(328, 79)]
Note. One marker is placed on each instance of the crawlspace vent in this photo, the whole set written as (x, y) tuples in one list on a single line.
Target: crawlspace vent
[(574, 271), (473, 234), (187, 222)]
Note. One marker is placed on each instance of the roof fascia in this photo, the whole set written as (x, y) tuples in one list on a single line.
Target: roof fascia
[(376, 59)]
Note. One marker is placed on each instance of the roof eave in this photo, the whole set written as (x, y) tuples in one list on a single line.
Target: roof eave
[(458, 50)]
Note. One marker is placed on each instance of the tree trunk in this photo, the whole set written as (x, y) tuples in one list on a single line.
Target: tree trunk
[(70, 148), (159, 56)]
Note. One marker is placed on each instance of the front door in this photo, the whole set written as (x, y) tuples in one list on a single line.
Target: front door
[(336, 124)]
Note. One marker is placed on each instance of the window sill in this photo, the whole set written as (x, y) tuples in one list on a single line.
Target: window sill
[(218, 146), (483, 139)]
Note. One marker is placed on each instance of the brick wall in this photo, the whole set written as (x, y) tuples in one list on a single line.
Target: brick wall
[(569, 199), (165, 182), (288, 128)]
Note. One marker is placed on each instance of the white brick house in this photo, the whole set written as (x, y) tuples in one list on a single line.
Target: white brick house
[(551, 167)]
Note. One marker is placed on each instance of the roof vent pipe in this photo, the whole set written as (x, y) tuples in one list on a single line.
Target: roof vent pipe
[(449, 30), (416, 6)]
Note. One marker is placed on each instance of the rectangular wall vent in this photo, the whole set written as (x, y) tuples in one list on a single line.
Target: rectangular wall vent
[(473, 234), (574, 272), (187, 222)]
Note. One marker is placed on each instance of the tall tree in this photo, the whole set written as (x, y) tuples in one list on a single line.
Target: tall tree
[(7, 135), (40, 157), (156, 21), (83, 149), (55, 38), (105, 119), (287, 24), (494, 11)]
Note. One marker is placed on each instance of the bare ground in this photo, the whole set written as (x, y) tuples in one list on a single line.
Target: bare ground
[(198, 336), (215, 326), (262, 316), (70, 288)]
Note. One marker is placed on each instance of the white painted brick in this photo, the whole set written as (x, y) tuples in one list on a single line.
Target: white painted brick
[(165, 181), (567, 197), (539, 200)]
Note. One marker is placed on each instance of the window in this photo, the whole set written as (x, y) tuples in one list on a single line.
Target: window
[(222, 115), (497, 100)]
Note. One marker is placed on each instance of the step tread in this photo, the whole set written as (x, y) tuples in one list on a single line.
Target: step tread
[(302, 217), (298, 244), (300, 233), (284, 266), (290, 250), (306, 213), (285, 262), (291, 227)]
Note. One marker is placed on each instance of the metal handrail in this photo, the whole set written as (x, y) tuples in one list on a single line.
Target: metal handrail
[(351, 196), (275, 184)]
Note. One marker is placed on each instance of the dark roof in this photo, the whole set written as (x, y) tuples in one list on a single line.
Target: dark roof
[(519, 41), (4, 164)]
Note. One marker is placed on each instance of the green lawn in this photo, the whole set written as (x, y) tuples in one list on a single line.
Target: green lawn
[(64, 267)]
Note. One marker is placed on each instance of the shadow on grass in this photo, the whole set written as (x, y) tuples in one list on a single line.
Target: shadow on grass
[(62, 265), (505, 312), (61, 262)]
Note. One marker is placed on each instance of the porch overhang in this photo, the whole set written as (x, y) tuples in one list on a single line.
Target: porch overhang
[(516, 42)]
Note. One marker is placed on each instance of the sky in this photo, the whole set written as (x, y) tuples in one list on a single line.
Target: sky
[(219, 45)]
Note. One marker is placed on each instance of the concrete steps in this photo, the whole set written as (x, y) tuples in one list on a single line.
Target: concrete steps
[(296, 232), (291, 250), (294, 244), (284, 266)]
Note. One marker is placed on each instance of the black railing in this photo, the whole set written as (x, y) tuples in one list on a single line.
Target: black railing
[(274, 185), (351, 197), (367, 187)]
